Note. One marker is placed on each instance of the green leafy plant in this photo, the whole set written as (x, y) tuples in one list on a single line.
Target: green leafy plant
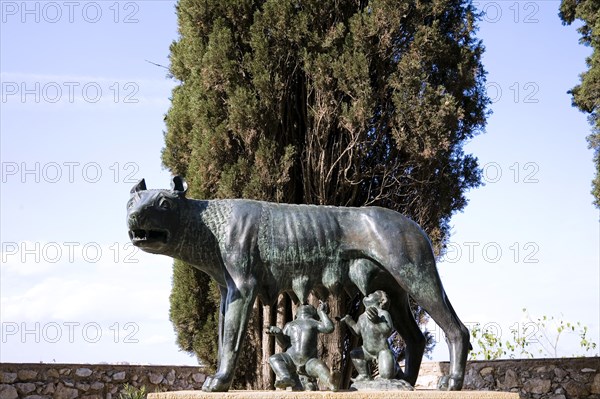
[(131, 392), (488, 343), (550, 331), (532, 338)]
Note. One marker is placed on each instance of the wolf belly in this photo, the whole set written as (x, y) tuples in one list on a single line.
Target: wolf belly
[(303, 246)]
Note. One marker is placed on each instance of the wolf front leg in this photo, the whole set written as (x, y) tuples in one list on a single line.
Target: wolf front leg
[(238, 305), (222, 308)]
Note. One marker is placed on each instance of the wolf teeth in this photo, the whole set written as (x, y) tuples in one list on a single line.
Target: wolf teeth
[(144, 235), (138, 234)]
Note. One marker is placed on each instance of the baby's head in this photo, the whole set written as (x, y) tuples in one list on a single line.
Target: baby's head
[(306, 312), (377, 298)]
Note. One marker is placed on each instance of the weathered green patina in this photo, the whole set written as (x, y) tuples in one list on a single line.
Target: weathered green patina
[(375, 326), (299, 366), (254, 248)]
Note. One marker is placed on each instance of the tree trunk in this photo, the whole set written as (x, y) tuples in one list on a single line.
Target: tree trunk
[(332, 347), (268, 346)]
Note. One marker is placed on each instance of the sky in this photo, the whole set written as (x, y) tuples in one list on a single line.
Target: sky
[(81, 121)]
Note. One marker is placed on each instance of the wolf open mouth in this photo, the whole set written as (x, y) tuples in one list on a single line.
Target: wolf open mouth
[(148, 236)]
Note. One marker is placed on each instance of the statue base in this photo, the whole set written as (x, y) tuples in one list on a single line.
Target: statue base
[(369, 394), (379, 384)]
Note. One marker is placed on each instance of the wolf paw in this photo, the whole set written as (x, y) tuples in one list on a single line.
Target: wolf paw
[(450, 383), (216, 383)]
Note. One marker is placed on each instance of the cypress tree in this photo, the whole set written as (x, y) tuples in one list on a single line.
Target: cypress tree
[(346, 103), (586, 95)]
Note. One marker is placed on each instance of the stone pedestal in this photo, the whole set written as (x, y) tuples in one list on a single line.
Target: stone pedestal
[(381, 385), (421, 394)]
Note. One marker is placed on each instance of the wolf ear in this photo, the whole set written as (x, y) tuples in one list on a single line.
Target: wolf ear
[(179, 186), (140, 186)]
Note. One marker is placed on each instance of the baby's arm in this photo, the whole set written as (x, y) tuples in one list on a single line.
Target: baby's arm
[(282, 339), (381, 319), (354, 327), (325, 325)]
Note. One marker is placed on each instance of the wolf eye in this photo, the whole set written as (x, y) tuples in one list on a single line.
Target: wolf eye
[(130, 203), (165, 203)]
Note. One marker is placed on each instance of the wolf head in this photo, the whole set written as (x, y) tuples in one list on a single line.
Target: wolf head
[(154, 216)]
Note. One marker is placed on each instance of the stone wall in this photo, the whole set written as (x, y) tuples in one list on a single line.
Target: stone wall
[(537, 378), (91, 381), (565, 378)]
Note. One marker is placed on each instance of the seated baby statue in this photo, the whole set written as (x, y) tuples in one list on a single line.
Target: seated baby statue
[(374, 326), (299, 339)]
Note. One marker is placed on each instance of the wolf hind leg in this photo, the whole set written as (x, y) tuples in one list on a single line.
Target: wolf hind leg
[(423, 283)]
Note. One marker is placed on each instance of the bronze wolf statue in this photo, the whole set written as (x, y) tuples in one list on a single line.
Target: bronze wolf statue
[(254, 248)]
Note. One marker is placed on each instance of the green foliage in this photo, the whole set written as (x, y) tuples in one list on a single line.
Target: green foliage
[(539, 338), (586, 95), (551, 330), (341, 103), (346, 103), (489, 345), (131, 392), (194, 303)]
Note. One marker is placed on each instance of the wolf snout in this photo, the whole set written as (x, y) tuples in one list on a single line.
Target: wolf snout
[(132, 220)]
